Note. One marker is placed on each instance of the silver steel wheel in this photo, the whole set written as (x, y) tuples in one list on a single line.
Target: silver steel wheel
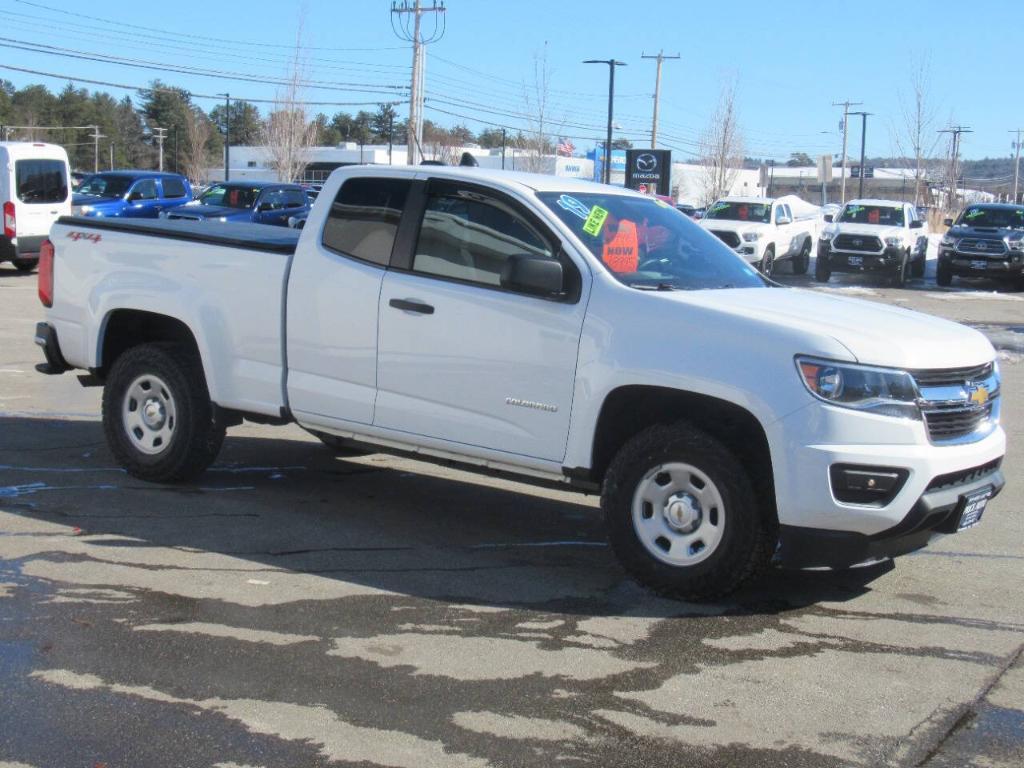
[(148, 414), (678, 514)]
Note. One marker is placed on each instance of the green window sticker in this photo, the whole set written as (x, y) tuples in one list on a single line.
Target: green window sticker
[(662, 203), (592, 226), (975, 213)]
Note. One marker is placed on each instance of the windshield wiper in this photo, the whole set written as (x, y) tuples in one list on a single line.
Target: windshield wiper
[(653, 286)]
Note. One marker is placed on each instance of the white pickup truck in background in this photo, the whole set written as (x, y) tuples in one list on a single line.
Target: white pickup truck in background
[(509, 322), (764, 230)]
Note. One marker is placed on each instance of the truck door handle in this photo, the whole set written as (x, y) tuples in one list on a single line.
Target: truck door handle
[(412, 306)]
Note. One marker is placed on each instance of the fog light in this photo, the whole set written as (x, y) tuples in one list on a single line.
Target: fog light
[(871, 486)]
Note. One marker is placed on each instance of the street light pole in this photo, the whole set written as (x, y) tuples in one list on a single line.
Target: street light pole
[(612, 64), (863, 135)]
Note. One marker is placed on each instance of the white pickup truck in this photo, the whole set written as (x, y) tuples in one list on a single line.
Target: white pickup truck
[(506, 322), (763, 231)]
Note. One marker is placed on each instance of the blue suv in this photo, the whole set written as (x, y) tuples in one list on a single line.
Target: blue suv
[(256, 202), (130, 194)]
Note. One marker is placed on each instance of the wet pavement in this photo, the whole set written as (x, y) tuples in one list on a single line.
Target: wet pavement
[(292, 608)]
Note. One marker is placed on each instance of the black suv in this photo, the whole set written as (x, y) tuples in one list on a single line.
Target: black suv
[(987, 240)]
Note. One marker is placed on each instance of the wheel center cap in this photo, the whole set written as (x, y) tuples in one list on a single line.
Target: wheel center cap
[(683, 512), (153, 413)]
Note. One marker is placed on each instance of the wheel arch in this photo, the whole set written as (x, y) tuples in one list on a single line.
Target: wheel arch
[(124, 328), (629, 409)]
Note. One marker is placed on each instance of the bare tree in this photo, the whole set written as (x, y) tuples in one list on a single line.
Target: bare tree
[(537, 107), (721, 147), (289, 132), (197, 136), (915, 138)]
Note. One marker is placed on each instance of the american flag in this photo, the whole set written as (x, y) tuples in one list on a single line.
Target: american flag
[(565, 147)]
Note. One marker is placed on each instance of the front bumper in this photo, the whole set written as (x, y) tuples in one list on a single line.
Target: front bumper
[(1008, 266), (936, 512), (853, 261)]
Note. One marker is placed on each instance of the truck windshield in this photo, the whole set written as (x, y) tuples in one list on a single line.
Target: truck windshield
[(106, 185), (883, 215), (735, 211), (648, 244), (230, 196), (1000, 218)]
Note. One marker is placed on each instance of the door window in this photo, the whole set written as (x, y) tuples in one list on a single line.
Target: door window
[(41, 181), (469, 236), (173, 187), (294, 198), (364, 218), (272, 200), (144, 190)]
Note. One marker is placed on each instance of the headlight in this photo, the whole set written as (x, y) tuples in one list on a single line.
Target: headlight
[(223, 218), (894, 242), (827, 235), (948, 240), (884, 391), (751, 237), (1016, 245), (84, 209)]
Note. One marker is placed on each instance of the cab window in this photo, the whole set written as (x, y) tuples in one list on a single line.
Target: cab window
[(364, 217), (144, 190), (173, 187), (467, 235)]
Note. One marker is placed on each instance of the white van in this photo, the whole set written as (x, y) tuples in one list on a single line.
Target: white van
[(34, 193)]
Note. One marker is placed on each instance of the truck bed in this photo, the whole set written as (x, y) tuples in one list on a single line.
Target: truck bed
[(256, 237)]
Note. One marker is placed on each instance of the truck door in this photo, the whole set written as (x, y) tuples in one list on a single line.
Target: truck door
[(143, 201), (463, 359), (333, 291)]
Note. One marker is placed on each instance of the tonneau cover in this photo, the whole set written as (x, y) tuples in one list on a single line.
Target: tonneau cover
[(258, 237)]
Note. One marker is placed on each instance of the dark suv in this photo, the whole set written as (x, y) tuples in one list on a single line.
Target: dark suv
[(987, 240)]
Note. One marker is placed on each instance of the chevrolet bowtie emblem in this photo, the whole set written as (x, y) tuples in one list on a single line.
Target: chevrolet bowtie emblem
[(979, 395)]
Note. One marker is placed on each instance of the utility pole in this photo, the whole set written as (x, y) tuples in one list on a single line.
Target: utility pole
[(863, 136), (391, 134), (1016, 162), (161, 134), (846, 114), (955, 130), (227, 135), (409, 27), (111, 155), (96, 136), (503, 151), (612, 64), (657, 93)]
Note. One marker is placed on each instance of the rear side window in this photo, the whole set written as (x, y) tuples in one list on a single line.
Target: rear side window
[(364, 218), (173, 187), (41, 181)]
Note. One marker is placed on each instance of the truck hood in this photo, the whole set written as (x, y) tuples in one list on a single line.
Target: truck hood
[(95, 201), (729, 225), (869, 230), (875, 334), (995, 233)]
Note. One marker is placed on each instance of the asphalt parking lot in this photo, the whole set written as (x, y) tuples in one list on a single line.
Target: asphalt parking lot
[(296, 609)]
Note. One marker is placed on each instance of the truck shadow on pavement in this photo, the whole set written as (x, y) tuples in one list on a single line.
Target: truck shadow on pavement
[(375, 523)]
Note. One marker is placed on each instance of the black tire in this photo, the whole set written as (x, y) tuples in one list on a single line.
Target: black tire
[(195, 430), (899, 277), (803, 259), (747, 539), (767, 263), (943, 274), (822, 270), (917, 267), (341, 446), (25, 265)]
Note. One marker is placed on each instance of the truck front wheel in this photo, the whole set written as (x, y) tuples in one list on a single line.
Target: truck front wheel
[(157, 415), (803, 259), (822, 269), (681, 514)]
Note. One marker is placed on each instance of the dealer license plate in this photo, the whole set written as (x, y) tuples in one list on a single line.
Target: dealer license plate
[(973, 504), (855, 261), (979, 265)]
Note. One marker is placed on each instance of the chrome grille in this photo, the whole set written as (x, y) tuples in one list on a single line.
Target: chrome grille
[(952, 377), (866, 243), (977, 246), (951, 422), (729, 238)]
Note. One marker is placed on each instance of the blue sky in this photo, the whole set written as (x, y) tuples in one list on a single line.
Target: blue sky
[(790, 61)]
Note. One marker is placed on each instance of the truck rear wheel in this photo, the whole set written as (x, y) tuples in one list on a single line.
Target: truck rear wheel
[(681, 514), (25, 265), (157, 415)]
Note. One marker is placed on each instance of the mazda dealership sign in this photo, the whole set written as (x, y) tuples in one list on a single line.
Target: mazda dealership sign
[(649, 169)]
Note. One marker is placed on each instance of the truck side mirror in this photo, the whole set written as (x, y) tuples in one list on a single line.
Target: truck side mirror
[(784, 220), (916, 224), (947, 222), (536, 275), (828, 218), (265, 207)]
